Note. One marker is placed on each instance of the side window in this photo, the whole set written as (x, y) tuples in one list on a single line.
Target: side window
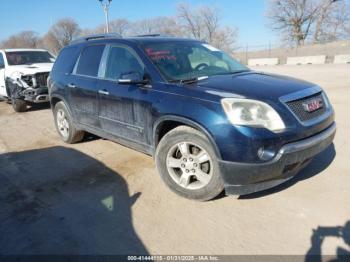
[(122, 61), (2, 62), (66, 60), (89, 60)]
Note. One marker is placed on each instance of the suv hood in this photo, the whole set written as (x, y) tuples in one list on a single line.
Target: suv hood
[(253, 85), (29, 69)]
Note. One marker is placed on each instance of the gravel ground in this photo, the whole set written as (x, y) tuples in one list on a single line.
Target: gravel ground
[(98, 197)]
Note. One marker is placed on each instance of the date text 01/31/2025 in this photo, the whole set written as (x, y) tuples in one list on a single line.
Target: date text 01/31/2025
[(173, 258)]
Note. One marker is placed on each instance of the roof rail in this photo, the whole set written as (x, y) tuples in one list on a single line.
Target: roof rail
[(93, 37), (154, 35)]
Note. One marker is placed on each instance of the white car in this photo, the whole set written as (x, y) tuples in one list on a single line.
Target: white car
[(23, 76)]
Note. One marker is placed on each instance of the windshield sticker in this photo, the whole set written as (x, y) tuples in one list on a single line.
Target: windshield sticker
[(211, 48), (161, 54)]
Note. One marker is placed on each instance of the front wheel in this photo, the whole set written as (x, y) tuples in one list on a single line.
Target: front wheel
[(8, 100), (187, 164), (65, 126), (19, 105)]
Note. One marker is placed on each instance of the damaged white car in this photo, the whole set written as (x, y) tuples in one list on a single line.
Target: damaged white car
[(23, 76)]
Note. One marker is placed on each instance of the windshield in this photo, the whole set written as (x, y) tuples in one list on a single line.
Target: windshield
[(185, 60), (28, 57)]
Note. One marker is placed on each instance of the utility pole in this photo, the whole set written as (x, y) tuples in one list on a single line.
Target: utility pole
[(105, 6)]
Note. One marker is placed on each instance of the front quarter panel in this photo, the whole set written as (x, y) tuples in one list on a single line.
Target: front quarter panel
[(233, 143), (205, 115)]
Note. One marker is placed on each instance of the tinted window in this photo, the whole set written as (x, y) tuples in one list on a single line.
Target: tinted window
[(2, 63), (66, 60), (122, 61), (28, 57), (89, 60)]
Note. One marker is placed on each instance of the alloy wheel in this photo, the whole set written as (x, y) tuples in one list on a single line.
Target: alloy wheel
[(62, 123), (189, 165)]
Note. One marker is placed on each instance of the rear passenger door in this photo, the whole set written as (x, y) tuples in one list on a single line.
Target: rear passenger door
[(83, 85), (119, 103)]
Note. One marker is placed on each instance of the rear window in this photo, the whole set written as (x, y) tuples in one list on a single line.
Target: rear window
[(89, 60), (66, 60)]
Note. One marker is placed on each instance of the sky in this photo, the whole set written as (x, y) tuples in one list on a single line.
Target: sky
[(38, 15)]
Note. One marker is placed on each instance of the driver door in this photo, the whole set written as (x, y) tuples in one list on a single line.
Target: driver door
[(2, 76), (119, 103)]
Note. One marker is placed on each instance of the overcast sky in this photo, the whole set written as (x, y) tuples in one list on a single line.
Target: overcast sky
[(38, 15)]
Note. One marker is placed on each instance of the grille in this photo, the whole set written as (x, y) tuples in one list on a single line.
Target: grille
[(297, 108), (41, 79)]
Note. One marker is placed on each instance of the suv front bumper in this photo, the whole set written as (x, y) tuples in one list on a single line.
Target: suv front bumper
[(36, 95), (247, 178)]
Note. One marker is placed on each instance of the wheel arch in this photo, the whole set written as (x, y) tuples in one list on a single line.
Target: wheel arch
[(54, 99), (166, 123)]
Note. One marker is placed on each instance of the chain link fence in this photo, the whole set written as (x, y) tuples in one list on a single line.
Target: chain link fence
[(244, 53)]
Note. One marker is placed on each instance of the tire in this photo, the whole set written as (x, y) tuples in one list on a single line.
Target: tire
[(8, 99), (192, 188), (19, 105), (64, 125)]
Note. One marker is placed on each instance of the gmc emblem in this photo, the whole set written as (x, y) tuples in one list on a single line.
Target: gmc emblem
[(313, 105)]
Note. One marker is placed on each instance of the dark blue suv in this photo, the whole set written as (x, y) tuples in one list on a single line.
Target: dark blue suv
[(210, 123)]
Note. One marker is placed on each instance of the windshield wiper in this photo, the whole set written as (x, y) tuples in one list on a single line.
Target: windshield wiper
[(240, 71), (189, 80), (234, 72)]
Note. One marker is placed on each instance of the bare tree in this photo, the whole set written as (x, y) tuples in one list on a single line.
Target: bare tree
[(332, 22), (204, 23), (347, 30), (293, 18), (120, 26), (316, 20), (88, 31), (323, 14), (210, 21), (144, 26), (190, 20), (161, 25), (25, 39), (225, 39), (61, 34)]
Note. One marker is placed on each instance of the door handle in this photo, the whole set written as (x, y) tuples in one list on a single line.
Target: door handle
[(103, 92), (71, 85)]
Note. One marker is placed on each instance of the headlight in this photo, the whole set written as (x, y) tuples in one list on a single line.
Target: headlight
[(247, 112)]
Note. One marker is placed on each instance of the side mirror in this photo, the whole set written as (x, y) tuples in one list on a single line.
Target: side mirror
[(2, 66), (133, 78)]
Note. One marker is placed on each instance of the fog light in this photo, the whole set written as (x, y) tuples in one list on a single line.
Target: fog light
[(266, 153)]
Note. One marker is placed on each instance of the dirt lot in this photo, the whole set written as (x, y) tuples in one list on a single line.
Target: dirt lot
[(98, 197)]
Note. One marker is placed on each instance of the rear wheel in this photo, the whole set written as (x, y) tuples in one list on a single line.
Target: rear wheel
[(187, 163), (65, 126), (19, 105)]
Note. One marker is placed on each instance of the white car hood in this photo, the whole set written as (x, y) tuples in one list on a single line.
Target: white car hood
[(29, 69)]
